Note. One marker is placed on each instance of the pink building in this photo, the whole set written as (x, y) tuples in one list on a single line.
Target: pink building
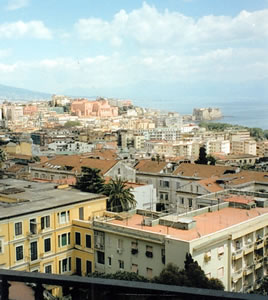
[(30, 110), (100, 108)]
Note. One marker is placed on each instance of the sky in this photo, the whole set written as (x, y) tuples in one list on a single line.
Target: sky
[(146, 50)]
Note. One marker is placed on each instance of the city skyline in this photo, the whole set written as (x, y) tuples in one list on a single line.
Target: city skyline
[(138, 49)]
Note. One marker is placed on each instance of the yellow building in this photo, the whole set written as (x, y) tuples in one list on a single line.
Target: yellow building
[(42, 228)]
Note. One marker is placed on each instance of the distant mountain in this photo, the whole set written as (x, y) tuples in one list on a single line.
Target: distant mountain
[(11, 93)]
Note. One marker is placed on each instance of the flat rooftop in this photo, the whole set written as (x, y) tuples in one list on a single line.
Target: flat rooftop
[(206, 223), (28, 197)]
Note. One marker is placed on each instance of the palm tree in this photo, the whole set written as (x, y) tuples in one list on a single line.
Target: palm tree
[(90, 180), (120, 197)]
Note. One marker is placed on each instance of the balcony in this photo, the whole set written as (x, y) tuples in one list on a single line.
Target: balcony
[(237, 254), (259, 244), (237, 275), (248, 270), (248, 248)]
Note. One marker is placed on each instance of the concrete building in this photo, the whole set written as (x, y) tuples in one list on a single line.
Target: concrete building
[(39, 227), (227, 240)]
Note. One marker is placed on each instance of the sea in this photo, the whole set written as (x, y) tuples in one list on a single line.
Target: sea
[(245, 112)]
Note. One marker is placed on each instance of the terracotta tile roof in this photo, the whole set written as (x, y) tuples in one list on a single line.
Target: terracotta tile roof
[(239, 199), (103, 154), (15, 168), (206, 223), (150, 166), (76, 162), (210, 184), (201, 171), (244, 177), (19, 156)]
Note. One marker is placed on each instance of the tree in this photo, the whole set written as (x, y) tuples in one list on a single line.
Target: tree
[(211, 160), (192, 275), (120, 275), (263, 289), (202, 160), (120, 197), (70, 124), (90, 180)]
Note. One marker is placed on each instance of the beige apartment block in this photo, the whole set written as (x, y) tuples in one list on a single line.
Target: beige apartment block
[(229, 241), (244, 147)]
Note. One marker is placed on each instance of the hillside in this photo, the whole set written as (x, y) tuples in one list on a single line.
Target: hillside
[(13, 94)]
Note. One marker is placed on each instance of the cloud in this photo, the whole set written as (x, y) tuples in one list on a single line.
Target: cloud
[(17, 4), (150, 27), (19, 29), (5, 53)]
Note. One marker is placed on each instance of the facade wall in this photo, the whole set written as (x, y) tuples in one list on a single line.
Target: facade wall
[(25, 245)]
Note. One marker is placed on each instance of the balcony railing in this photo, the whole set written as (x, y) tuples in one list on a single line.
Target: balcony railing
[(99, 288), (237, 254)]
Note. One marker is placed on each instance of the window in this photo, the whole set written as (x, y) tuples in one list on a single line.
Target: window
[(78, 265), (109, 261), (182, 200), (33, 247), (178, 185), (47, 245), (121, 264), (78, 238), (1, 246), (221, 251), (88, 267), (18, 228), (149, 251), (64, 239), (164, 183), (48, 269), (19, 253), (134, 247), (120, 244), (36, 175), (220, 272), (33, 226), (149, 273), (65, 265), (118, 171), (81, 213), (64, 217), (190, 202), (88, 241), (45, 222), (100, 257), (134, 268)]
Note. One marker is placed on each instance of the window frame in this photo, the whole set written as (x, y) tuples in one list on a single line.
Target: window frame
[(77, 238), (18, 227), (46, 239), (45, 222), (21, 252), (90, 243)]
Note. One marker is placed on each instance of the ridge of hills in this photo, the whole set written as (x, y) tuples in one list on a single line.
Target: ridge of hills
[(11, 93)]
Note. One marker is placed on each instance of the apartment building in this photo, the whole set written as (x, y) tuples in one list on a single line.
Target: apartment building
[(65, 168), (229, 242), (39, 227), (178, 185), (244, 147)]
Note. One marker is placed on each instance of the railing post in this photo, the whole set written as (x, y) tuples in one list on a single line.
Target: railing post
[(38, 295), (4, 288)]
